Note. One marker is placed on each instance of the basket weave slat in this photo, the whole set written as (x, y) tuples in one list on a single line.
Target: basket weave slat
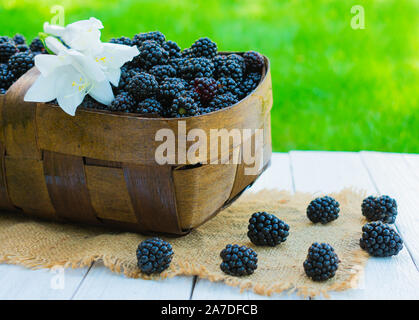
[(99, 167)]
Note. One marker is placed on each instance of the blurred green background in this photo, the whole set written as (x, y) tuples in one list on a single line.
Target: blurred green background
[(335, 88)]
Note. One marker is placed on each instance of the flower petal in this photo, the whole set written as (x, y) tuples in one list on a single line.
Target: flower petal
[(113, 76), (55, 45), (42, 90), (86, 65), (53, 29), (47, 63), (102, 92), (115, 55)]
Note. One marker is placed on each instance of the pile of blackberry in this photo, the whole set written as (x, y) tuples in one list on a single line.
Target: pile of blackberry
[(16, 57), (166, 81)]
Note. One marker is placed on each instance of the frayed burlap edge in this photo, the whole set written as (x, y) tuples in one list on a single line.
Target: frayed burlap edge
[(358, 261)]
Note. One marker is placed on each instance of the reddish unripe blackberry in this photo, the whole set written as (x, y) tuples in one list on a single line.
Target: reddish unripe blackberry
[(142, 85), (254, 61), (7, 49), (204, 47), (206, 88)]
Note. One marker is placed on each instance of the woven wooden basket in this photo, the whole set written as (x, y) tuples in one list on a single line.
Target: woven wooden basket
[(99, 167)]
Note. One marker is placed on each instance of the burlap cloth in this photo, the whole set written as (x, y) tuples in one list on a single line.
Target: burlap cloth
[(39, 244)]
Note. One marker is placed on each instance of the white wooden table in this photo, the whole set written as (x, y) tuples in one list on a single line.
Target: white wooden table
[(318, 172)]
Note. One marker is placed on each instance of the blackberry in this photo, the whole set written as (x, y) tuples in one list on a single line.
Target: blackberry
[(225, 85), (171, 88), (172, 48), (6, 77), (219, 60), (380, 240), (183, 106), (122, 40), (19, 39), (238, 260), (3, 91), (249, 84), (230, 69), (267, 230), (237, 59), (4, 39), (154, 255), (162, 72), (205, 87), (142, 85), (196, 68), (323, 210), (22, 48), (322, 262), (149, 106), (37, 45), (177, 63), (204, 47), (7, 49), (123, 102), (254, 61), (156, 36), (151, 54), (21, 62), (206, 109), (126, 75), (187, 53), (90, 103), (381, 208), (223, 101)]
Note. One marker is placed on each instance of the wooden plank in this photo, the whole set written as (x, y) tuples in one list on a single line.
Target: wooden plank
[(103, 284), (324, 172), (19, 283), (277, 176), (398, 176)]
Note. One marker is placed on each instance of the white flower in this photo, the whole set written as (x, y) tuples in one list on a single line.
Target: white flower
[(68, 77), (82, 35)]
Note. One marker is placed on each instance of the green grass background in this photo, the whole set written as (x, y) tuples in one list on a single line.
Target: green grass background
[(335, 88)]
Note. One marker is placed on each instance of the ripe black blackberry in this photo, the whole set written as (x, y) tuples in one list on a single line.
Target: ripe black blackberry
[(142, 85), (187, 53), (126, 75), (90, 103), (204, 47), (156, 36), (3, 91), (173, 49), (5, 39), (149, 106), (183, 106), (37, 45), (323, 210), (225, 85), (238, 260), (380, 240), (205, 87), (162, 72), (322, 262), (22, 48), (171, 88), (254, 61), (177, 63), (21, 62), (223, 101), (122, 40), (7, 49), (249, 84), (218, 60), (381, 208), (230, 69), (267, 230), (196, 68), (19, 39), (6, 77), (123, 102), (237, 59), (154, 255), (151, 54)]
